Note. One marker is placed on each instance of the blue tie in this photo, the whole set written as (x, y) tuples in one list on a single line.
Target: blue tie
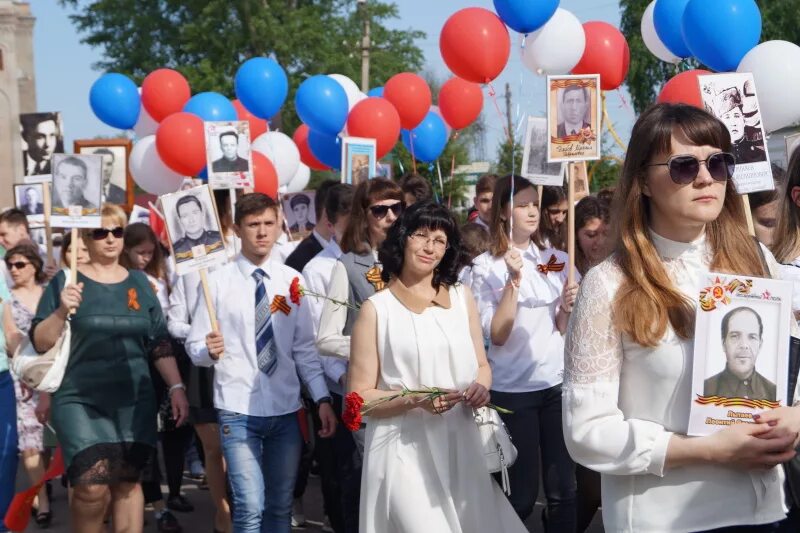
[(266, 350)]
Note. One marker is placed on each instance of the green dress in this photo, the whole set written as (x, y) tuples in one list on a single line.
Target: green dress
[(104, 413)]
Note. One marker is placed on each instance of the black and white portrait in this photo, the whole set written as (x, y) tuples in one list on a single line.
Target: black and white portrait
[(298, 208), (574, 111), (29, 198), (114, 173), (42, 136), (228, 154), (194, 229), (534, 157), (76, 190), (573, 118)]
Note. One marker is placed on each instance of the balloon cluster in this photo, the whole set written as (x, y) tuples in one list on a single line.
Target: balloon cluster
[(723, 35), (475, 43)]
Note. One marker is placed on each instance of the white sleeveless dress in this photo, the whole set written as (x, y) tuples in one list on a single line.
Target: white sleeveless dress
[(424, 472)]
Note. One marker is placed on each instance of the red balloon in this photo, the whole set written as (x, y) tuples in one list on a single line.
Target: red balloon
[(181, 144), (683, 89), (606, 53), (411, 96), (164, 92), (257, 125), (265, 177), (460, 102), (375, 118), (300, 138), (475, 44)]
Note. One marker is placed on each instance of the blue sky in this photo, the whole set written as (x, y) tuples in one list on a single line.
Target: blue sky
[(64, 71)]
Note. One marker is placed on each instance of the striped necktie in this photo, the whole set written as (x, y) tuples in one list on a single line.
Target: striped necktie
[(267, 353)]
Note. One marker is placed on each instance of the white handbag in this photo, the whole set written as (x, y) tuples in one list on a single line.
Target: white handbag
[(43, 371), (498, 451)]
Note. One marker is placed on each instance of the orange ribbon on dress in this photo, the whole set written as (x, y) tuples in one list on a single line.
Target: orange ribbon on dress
[(279, 303), (373, 276), (133, 302), (551, 266)]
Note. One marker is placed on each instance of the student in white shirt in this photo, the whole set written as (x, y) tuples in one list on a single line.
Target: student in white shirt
[(629, 348), (259, 352), (484, 189), (524, 303)]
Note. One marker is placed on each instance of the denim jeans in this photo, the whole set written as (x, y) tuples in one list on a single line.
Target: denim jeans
[(535, 428), (8, 442), (262, 455)]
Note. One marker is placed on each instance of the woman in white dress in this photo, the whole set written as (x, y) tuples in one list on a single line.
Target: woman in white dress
[(629, 347), (423, 467)]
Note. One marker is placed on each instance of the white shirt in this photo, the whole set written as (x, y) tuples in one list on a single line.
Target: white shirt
[(622, 402), (532, 358), (791, 272), (239, 385), (318, 273), (283, 248)]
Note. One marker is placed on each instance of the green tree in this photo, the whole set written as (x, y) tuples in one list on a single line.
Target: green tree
[(508, 159), (207, 40), (780, 20)]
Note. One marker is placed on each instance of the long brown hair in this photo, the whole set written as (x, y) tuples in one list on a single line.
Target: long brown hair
[(787, 233), (647, 298), (356, 236), (555, 235), (586, 210), (136, 234), (498, 225)]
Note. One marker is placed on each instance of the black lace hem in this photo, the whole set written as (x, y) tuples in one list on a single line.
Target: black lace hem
[(109, 463), (160, 349)]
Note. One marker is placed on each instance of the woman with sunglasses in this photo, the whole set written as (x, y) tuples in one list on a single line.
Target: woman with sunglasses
[(629, 348), (377, 203), (524, 302), (104, 411), (26, 269)]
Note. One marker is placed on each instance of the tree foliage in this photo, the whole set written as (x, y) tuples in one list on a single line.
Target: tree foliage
[(207, 40), (780, 19)]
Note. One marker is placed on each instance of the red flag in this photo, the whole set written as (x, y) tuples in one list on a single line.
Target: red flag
[(19, 512)]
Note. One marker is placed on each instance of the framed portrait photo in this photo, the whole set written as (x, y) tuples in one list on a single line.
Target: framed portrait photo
[(573, 118), (741, 350), (732, 98), (117, 187), (42, 137), (578, 173), (359, 159), (228, 160), (299, 212), (76, 191), (29, 198), (534, 156), (193, 228)]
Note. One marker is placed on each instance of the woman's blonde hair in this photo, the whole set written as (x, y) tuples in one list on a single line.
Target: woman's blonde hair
[(647, 298), (112, 211), (787, 232)]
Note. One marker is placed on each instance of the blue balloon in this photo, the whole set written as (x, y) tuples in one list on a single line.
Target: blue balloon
[(211, 107), (429, 138), (720, 33), (321, 103), (376, 92), (203, 174), (326, 148), (667, 17), (115, 100), (525, 16), (261, 86)]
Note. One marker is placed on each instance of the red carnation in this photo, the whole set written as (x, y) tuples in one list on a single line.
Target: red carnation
[(352, 411), (295, 291)]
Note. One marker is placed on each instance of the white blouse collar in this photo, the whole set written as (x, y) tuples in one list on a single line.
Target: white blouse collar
[(669, 249)]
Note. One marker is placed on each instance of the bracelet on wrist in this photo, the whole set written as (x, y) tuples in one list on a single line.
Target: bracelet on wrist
[(175, 387)]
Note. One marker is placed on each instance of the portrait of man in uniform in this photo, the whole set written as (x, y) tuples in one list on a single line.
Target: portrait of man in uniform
[(73, 186), (191, 216), (747, 142)]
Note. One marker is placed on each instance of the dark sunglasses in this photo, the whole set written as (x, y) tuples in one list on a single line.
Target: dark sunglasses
[(683, 169), (19, 265), (380, 211), (99, 234)]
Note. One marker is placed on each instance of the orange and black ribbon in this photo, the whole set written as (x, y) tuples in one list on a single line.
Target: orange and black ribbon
[(279, 303), (722, 401), (133, 300), (552, 266), (374, 277)]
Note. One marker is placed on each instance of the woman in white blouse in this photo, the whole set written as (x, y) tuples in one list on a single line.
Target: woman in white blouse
[(629, 348), (524, 306)]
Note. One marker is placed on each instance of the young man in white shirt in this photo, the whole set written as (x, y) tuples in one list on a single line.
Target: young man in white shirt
[(261, 348), (484, 191)]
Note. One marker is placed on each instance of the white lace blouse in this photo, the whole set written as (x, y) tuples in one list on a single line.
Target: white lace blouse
[(623, 401)]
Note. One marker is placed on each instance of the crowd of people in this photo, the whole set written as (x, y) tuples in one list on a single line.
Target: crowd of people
[(391, 293)]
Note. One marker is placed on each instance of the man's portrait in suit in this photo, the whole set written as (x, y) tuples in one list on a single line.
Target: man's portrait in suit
[(573, 111), (29, 198), (230, 160), (742, 331), (113, 176), (75, 184), (42, 136)]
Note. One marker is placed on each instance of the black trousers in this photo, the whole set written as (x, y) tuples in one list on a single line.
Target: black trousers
[(535, 427), (173, 444), (348, 470)]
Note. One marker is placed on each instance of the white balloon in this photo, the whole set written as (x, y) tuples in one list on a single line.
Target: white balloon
[(651, 39), (149, 172), (354, 94), (146, 125), (300, 180), (776, 70), (557, 46), (281, 150)]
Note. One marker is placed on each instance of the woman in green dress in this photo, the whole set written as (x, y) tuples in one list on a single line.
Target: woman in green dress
[(105, 410)]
